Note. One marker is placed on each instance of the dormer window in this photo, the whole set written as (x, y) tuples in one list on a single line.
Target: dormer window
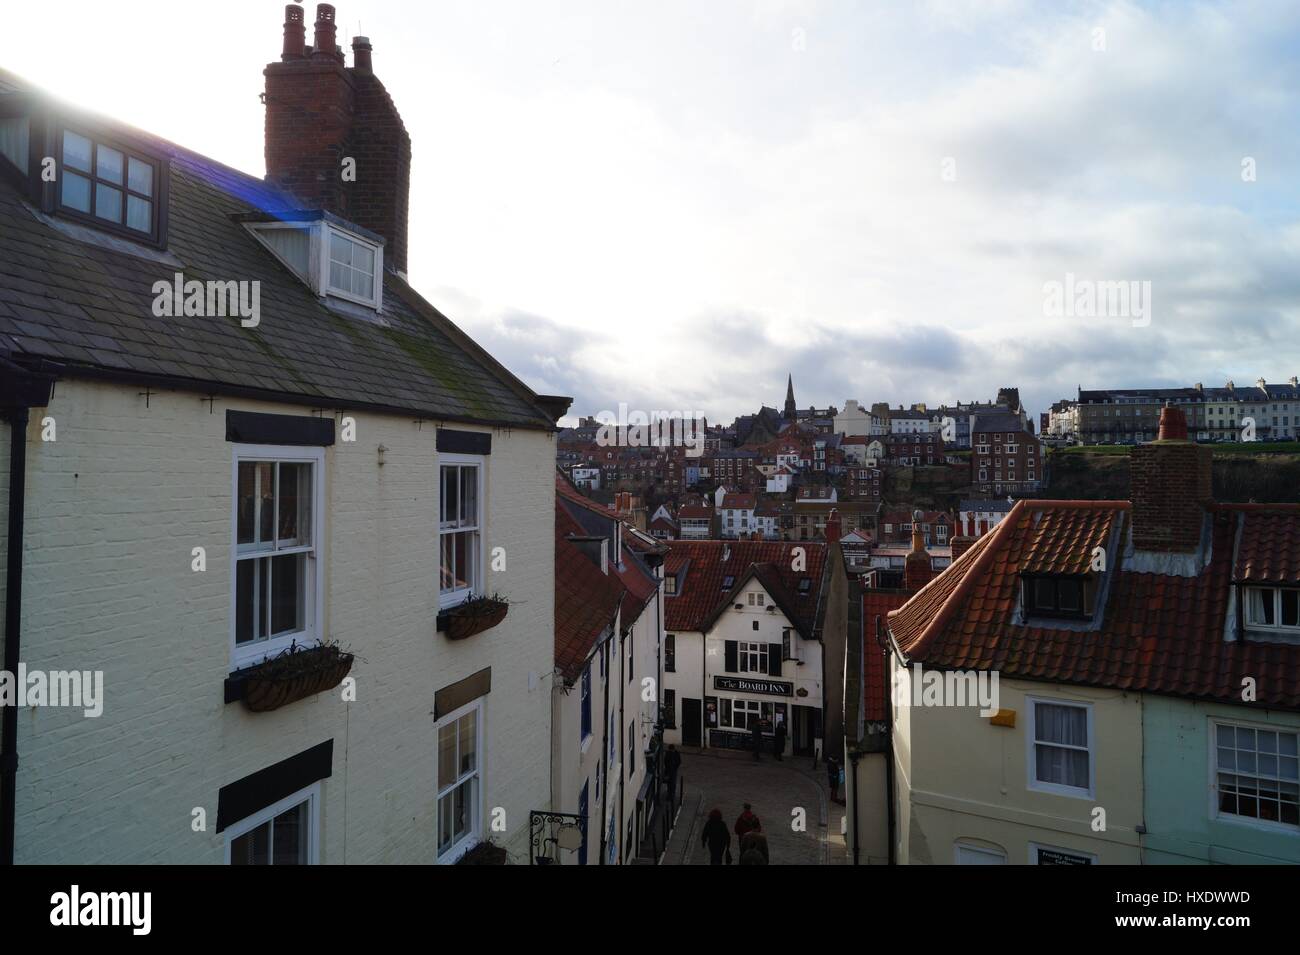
[(1058, 595), (1276, 609), (108, 186), (332, 257)]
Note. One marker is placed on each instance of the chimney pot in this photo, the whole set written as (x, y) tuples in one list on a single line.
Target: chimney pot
[(1173, 424), (361, 54), (325, 44), (295, 33)]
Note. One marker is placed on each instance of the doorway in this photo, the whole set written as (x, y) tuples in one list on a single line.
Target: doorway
[(691, 720)]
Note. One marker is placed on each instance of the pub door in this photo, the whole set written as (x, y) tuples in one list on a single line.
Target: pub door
[(692, 718)]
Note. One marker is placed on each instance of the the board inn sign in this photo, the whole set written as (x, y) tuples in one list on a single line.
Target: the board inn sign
[(742, 685)]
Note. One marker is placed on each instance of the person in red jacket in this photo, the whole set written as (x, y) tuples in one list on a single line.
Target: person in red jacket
[(747, 822)]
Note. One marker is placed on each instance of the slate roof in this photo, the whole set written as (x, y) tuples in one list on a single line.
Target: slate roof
[(85, 307), (701, 572), (1158, 632), (586, 601)]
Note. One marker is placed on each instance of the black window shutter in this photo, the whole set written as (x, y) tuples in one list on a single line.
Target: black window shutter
[(774, 659), (729, 662)]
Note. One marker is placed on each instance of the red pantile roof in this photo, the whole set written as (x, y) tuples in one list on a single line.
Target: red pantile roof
[(876, 603), (739, 501), (586, 601), (1270, 547), (701, 572), (1157, 633)]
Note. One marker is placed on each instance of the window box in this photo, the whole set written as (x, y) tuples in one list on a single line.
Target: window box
[(294, 674), (485, 853), (472, 616)]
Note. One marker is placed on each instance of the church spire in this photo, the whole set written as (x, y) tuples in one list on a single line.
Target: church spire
[(789, 398)]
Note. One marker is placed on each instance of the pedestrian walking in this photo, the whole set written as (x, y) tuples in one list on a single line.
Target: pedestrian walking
[(672, 763), (756, 738), (747, 822), (716, 838), (753, 849), (779, 742), (833, 777)]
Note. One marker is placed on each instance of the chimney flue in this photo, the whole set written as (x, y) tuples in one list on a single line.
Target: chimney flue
[(325, 44), (1171, 482), (361, 55), (295, 33)]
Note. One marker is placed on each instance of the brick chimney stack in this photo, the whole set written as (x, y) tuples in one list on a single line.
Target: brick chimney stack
[(1171, 483), (960, 545), (917, 570), (834, 529), (320, 112)]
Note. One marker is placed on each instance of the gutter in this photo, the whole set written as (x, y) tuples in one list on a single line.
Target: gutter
[(18, 393)]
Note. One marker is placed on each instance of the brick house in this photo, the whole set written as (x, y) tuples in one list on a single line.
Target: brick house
[(1005, 457), (341, 465)]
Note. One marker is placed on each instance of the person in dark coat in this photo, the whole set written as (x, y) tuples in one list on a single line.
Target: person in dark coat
[(716, 837), (747, 822), (753, 849), (778, 744), (672, 763), (756, 737), (833, 777)]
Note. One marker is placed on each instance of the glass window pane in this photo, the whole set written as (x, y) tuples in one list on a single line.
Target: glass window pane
[(340, 249), (139, 214), (108, 202), (108, 164), (468, 742), (444, 823), (1044, 594), (76, 151), (1070, 593), (288, 593), (363, 284), (291, 837), (339, 277), (1290, 608), (447, 564), (253, 847), (265, 500), (246, 629), (140, 177), (450, 496), (76, 192), (295, 505), (469, 497), (246, 508), (463, 809), (446, 756), (363, 258), (463, 545)]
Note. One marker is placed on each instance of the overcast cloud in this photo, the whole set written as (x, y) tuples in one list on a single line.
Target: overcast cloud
[(672, 204)]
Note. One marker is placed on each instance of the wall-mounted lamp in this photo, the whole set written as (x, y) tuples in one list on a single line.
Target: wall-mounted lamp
[(382, 449)]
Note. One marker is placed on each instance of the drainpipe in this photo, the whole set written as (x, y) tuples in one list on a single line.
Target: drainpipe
[(604, 756), (17, 418), (889, 751)]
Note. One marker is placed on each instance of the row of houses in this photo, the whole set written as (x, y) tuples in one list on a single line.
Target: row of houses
[(1090, 682), (1263, 411)]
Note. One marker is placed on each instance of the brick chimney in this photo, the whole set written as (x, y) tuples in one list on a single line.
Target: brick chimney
[(960, 545), (834, 528), (1170, 481), (319, 112), (917, 570)]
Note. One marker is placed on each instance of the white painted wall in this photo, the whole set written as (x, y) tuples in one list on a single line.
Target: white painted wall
[(113, 510)]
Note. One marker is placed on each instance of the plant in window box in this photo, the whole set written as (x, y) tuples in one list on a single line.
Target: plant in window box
[(473, 615), (295, 674), (485, 853)]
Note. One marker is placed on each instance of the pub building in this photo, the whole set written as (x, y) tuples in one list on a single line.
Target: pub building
[(743, 625)]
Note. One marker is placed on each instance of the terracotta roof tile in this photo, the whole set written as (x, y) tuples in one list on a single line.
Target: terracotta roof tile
[(702, 572), (1159, 633)]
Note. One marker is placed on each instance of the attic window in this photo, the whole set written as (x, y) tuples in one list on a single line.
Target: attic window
[(728, 582), (108, 186), (1275, 609), (805, 585), (1058, 595), (670, 584), (332, 260)]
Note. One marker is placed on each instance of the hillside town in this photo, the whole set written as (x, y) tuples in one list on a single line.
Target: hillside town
[(323, 581)]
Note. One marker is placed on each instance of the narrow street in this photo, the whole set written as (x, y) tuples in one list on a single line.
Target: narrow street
[(727, 780)]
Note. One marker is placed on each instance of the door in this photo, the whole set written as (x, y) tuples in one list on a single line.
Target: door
[(582, 811), (690, 722)]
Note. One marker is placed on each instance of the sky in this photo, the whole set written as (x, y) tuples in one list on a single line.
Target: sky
[(673, 204)]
